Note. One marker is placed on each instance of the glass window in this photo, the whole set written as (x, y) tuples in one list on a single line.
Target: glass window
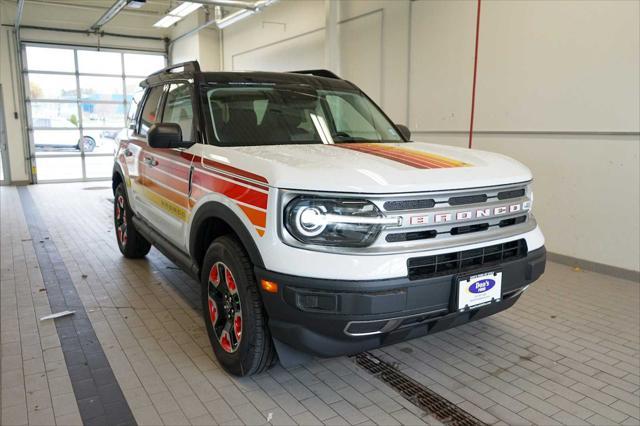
[(105, 141), (50, 86), (99, 166), (132, 85), (102, 115), (91, 62), (101, 88), (295, 114), (150, 110), (54, 114), (142, 64), (133, 107), (179, 109), (50, 59), (56, 140), (59, 168)]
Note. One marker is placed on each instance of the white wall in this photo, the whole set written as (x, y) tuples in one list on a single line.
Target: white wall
[(203, 46), (558, 89)]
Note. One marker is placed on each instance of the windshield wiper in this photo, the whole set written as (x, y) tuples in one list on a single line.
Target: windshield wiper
[(345, 137)]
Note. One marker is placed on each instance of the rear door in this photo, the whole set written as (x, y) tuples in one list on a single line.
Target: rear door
[(166, 172)]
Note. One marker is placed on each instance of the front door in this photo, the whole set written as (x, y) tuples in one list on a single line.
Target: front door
[(165, 173)]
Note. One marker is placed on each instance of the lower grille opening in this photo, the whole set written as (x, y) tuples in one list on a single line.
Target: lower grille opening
[(423, 318), (458, 230), (410, 236), (461, 261), (512, 221)]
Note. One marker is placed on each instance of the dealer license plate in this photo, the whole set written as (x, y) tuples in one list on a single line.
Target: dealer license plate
[(479, 290)]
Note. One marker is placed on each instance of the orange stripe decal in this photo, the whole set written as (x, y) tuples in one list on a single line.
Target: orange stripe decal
[(406, 156), (257, 217)]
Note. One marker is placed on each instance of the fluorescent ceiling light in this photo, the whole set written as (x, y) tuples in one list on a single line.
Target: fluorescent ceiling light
[(184, 9), (234, 17), (167, 21), (177, 14)]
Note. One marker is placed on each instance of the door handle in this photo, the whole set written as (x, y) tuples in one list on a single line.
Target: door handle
[(149, 161)]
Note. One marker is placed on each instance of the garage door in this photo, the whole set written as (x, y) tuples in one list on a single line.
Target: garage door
[(77, 99)]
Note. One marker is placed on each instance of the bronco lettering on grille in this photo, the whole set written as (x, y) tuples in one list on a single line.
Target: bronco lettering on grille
[(468, 214)]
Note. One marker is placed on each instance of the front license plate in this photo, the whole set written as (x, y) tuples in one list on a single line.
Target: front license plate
[(479, 289)]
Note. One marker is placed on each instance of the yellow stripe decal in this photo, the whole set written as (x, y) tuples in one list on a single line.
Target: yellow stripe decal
[(168, 206)]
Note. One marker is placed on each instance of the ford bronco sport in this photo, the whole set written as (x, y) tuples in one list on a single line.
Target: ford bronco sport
[(313, 223)]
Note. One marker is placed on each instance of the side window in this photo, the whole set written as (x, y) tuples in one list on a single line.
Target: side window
[(133, 108), (179, 108), (150, 110)]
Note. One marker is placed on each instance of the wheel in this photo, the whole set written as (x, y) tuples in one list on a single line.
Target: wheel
[(130, 242), (233, 311), (88, 143)]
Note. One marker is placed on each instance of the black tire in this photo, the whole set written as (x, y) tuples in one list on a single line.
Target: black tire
[(130, 242), (254, 352)]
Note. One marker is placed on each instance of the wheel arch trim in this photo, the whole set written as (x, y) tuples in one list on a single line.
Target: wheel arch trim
[(217, 210)]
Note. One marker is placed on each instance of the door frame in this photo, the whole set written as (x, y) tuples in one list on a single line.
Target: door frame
[(4, 145)]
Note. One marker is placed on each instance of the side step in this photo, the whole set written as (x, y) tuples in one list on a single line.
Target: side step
[(176, 255)]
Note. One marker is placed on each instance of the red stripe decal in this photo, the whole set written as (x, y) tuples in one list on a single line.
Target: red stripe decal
[(230, 189)]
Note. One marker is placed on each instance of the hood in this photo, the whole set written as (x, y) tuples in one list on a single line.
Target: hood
[(375, 167)]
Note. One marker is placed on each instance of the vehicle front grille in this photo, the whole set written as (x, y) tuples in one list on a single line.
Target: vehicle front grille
[(467, 260)]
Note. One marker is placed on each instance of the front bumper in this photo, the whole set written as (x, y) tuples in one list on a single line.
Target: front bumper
[(332, 317)]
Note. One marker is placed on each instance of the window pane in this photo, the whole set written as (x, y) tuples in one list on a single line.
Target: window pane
[(178, 109), (50, 59), (132, 107), (98, 167), (59, 168), (101, 141), (47, 86), (141, 64), (133, 85), (102, 115), (150, 109), (54, 114), (56, 140), (99, 62), (101, 88)]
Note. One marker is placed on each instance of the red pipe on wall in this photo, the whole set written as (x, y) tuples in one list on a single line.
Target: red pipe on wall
[(475, 73)]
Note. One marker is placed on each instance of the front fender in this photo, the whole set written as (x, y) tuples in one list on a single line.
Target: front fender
[(217, 210)]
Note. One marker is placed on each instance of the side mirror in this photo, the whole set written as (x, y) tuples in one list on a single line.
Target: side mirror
[(166, 135), (404, 130)]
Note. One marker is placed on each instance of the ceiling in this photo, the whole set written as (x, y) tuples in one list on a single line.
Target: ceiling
[(81, 14)]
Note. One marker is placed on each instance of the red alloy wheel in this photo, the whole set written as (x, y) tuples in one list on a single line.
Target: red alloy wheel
[(121, 220), (225, 309)]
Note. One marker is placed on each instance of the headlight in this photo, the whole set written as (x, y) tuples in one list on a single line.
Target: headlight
[(334, 221)]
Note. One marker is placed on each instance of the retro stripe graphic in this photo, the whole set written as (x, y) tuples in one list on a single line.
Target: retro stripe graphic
[(166, 185), (406, 156)]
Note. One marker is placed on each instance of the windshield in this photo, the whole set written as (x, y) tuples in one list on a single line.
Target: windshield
[(295, 114)]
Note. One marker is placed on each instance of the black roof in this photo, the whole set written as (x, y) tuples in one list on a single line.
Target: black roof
[(320, 79)]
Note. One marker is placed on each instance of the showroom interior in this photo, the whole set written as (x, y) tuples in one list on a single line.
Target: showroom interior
[(550, 86)]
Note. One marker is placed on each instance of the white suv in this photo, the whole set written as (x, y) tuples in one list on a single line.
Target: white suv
[(313, 223)]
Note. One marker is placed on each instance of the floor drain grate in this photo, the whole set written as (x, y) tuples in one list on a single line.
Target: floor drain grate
[(419, 395)]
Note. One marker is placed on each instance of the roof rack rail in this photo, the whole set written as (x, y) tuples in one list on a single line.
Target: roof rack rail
[(190, 66), (318, 73)]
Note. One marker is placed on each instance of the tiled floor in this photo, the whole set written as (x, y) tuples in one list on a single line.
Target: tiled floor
[(567, 353)]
